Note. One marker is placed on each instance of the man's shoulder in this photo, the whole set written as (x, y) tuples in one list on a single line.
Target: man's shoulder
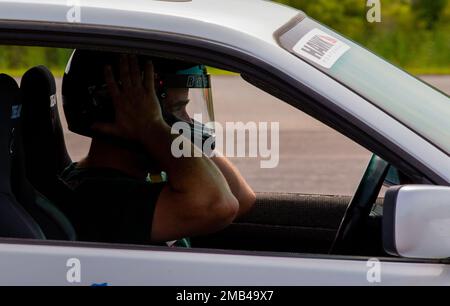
[(74, 171), (100, 178)]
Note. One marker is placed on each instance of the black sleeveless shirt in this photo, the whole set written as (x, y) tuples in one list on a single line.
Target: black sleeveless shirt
[(109, 206)]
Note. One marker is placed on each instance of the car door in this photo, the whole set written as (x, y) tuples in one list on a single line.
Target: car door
[(51, 263), (288, 222)]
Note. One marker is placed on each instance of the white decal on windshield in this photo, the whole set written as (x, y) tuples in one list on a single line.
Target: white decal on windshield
[(321, 48)]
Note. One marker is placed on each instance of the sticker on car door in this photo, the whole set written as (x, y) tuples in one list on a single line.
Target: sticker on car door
[(321, 48)]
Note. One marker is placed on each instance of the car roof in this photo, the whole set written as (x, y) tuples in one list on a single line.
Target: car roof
[(257, 18)]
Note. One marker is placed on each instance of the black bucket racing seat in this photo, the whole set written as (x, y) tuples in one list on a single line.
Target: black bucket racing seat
[(42, 132), (15, 222), (45, 150)]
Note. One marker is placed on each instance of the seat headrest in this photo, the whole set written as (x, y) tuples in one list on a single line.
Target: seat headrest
[(10, 109), (42, 132)]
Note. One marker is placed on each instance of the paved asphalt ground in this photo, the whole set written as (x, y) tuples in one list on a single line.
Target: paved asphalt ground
[(312, 158)]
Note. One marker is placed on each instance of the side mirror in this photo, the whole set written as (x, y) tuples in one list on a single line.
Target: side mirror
[(416, 221)]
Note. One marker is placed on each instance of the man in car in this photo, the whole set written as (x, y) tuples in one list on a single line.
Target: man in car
[(119, 195)]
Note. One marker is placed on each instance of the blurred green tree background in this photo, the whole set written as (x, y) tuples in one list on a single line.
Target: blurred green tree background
[(414, 34), (15, 60)]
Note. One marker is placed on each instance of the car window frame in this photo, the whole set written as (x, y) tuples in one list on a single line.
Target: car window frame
[(257, 72)]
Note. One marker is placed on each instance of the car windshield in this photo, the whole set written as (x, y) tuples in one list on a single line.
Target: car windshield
[(411, 101)]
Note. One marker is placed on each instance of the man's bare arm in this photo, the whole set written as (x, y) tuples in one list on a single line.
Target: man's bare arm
[(240, 188)]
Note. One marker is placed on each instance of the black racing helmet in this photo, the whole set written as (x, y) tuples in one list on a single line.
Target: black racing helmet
[(86, 99)]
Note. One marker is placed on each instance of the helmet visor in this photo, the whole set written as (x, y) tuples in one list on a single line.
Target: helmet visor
[(188, 98)]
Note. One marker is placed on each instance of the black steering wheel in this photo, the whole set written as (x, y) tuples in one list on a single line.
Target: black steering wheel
[(360, 206)]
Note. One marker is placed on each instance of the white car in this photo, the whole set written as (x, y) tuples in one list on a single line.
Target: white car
[(287, 239)]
